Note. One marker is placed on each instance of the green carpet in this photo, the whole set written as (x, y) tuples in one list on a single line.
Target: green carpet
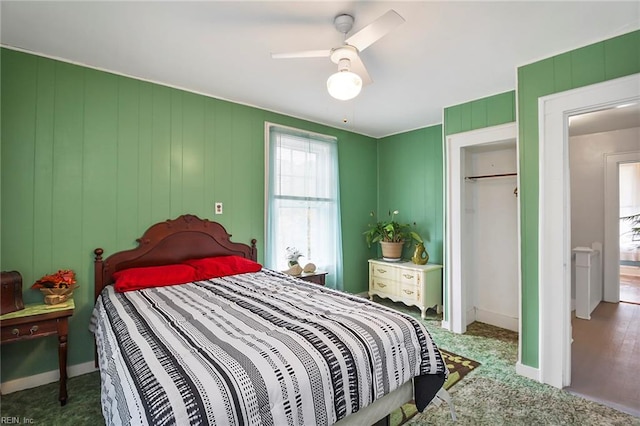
[(40, 405)]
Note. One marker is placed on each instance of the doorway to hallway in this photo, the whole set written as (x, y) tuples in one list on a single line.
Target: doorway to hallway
[(629, 184)]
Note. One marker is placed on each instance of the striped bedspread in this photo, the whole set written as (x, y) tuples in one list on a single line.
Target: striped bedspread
[(256, 349)]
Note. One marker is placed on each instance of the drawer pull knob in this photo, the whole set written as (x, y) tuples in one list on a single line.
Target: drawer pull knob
[(33, 329), (408, 291), (383, 285), (15, 332), (407, 276), (382, 271)]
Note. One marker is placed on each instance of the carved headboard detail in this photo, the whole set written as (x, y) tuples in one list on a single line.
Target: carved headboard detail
[(171, 241)]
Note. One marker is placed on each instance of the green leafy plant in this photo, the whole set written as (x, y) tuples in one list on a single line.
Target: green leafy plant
[(635, 225), (390, 231)]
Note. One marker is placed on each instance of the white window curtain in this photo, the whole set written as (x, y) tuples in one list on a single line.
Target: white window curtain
[(303, 201)]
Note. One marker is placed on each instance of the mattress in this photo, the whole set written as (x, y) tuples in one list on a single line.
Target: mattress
[(256, 348)]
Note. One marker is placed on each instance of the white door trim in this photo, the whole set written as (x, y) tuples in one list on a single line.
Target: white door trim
[(612, 222), (456, 301), (554, 265)]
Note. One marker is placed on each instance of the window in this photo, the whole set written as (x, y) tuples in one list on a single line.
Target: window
[(303, 209)]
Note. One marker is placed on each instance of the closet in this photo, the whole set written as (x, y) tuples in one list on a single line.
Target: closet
[(482, 234), (489, 244)]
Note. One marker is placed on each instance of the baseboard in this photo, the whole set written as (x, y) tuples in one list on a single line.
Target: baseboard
[(527, 371), (499, 320), (471, 315), (29, 382), (364, 294), (445, 324)]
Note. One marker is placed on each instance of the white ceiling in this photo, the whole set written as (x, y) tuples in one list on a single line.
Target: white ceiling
[(624, 116), (444, 54)]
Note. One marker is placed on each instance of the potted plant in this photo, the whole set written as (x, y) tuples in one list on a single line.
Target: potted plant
[(392, 236), (635, 226)]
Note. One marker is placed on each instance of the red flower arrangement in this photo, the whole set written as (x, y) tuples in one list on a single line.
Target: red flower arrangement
[(64, 278)]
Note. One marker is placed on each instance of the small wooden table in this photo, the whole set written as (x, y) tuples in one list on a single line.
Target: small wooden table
[(40, 320), (314, 277)]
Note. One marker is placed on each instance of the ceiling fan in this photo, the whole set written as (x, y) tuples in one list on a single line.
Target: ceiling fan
[(352, 74)]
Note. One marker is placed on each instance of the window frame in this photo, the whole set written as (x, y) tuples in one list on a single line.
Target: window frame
[(332, 201)]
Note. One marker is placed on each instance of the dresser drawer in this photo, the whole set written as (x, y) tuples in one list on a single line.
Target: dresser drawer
[(408, 277), (384, 286), (410, 292), (29, 330), (385, 272)]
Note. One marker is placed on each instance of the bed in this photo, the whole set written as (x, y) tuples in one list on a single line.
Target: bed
[(252, 347)]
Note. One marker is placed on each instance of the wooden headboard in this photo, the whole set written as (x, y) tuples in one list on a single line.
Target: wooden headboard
[(171, 241)]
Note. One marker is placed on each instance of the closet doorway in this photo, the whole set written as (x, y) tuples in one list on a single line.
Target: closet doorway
[(482, 233)]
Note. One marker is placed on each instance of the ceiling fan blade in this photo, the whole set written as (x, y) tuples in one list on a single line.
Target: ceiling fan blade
[(375, 30), (303, 54), (357, 66)]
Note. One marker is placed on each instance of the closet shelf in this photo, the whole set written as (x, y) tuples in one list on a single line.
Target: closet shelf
[(490, 176)]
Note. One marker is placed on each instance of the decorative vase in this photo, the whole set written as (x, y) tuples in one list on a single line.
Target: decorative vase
[(391, 251), (54, 296), (420, 256), (295, 270)]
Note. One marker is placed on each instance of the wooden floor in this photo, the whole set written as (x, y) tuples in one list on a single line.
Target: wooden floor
[(605, 356), (630, 284)]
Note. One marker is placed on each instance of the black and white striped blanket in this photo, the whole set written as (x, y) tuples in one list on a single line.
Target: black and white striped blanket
[(256, 349)]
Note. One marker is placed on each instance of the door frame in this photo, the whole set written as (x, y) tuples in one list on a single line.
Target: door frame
[(455, 304), (554, 232)]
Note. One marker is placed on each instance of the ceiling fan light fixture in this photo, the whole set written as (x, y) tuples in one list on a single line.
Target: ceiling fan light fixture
[(344, 85)]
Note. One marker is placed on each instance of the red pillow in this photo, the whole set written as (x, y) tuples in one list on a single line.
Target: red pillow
[(153, 276), (222, 266)]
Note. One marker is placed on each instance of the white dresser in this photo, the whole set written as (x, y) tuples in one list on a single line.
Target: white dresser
[(406, 282)]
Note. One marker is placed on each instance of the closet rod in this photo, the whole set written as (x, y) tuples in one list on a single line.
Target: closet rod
[(490, 176)]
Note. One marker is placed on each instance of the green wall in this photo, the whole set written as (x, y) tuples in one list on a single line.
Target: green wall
[(91, 159), (410, 181), (606, 60), (486, 112)]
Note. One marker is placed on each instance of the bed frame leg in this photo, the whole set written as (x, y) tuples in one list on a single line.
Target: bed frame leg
[(443, 396)]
